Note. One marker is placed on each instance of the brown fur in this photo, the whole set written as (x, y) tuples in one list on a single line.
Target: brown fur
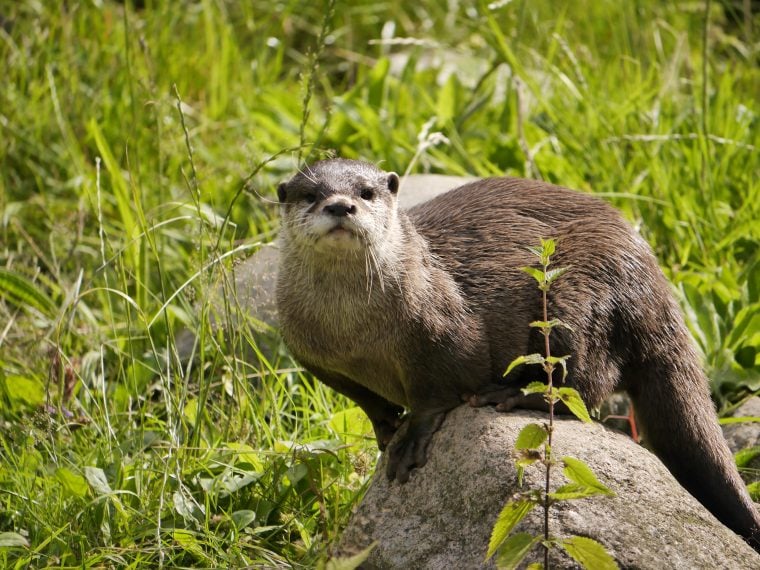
[(411, 311)]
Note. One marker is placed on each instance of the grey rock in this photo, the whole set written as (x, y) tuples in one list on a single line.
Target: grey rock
[(443, 517), (743, 435)]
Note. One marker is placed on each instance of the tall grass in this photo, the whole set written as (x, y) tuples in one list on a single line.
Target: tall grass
[(139, 149)]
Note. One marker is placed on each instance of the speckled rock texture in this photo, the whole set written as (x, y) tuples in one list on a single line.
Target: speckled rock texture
[(442, 518)]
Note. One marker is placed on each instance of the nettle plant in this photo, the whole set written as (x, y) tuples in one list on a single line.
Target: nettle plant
[(534, 446)]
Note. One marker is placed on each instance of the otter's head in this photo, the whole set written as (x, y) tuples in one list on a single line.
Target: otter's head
[(337, 206)]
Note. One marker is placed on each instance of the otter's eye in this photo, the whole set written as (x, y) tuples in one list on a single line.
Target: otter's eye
[(367, 194), (310, 198)]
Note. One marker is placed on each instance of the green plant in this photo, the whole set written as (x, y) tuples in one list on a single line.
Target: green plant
[(514, 547)]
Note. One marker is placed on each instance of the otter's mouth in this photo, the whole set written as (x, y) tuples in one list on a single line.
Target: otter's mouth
[(340, 230), (340, 236)]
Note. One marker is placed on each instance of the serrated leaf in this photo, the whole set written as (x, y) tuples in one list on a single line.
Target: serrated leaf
[(574, 491), (514, 550), (550, 324), (74, 484), (580, 473), (534, 388), (531, 437), (553, 274), (537, 274), (535, 250), (589, 553), (11, 539), (572, 399), (512, 513), (548, 247), (351, 562), (97, 480), (534, 358)]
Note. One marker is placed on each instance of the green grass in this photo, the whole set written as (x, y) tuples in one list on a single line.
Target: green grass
[(139, 152)]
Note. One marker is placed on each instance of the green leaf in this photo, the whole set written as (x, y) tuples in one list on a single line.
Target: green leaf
[(589, 553), (23, 293), (97, 480), (243, 518), (189, 543), (739, 420), (351, 562), (548, 247), (574, 491), (572, 399), (535, 250), (23, 390), (580, 473), (524, 359), (553, 274), (534, 388), (754, 490), (550, 325), (744, 456), (512, 513), (73, 484), (352, 425), (531, 437), (190, 411), (11, 539), (245, 454), (537, 274), (447, 100), (514, 549)]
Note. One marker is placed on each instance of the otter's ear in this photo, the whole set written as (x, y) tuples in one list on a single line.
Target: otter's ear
[(393, 182), (282, 191)]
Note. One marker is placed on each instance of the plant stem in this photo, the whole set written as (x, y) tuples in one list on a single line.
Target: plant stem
[(548, 447)]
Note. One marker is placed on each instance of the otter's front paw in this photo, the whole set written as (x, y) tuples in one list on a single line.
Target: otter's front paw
[(410, 449), (385, 429), (503, 396)]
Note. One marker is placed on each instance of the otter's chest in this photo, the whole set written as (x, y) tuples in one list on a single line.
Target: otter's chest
[(356, 338)]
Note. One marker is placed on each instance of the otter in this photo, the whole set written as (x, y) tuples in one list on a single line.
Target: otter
[(415, 311)]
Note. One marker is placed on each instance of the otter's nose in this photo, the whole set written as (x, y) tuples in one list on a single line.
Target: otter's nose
[(340, 209)]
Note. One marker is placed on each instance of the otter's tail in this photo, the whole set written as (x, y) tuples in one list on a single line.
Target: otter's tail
[(673, 406)]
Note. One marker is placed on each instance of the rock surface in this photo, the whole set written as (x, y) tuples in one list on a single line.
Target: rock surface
[(442, 518), (745, 435)]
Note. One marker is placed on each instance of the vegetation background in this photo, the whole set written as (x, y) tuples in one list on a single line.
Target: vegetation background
[(140, 145)]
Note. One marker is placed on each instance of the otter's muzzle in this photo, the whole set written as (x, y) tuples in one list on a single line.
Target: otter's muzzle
[(339, 208)]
